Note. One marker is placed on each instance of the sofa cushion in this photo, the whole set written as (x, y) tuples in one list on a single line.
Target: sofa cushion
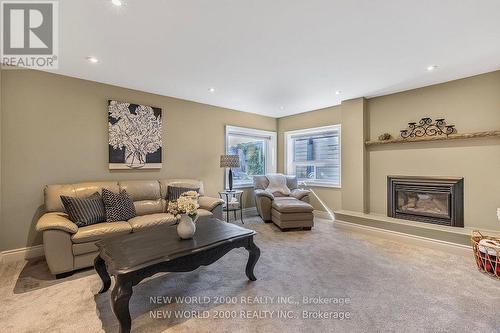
[(291, 205), (84, 248), (85, 211), (292, 182), (119, 207), (145, 207), (261, 182), (209, 203), (83, 190), (140, 223), (204, 213), (95, 232), (280, 198), (139, 190), (53, 193), (84, 260)]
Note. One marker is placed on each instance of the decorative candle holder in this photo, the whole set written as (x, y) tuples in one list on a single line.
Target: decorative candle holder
[(426, 127)]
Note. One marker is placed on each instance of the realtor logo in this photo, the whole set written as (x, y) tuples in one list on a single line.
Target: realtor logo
[(30, 34)]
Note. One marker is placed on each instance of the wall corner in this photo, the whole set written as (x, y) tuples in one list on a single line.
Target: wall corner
[(354, 155)]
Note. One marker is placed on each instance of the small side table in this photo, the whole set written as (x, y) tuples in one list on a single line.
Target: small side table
[(233, 203)]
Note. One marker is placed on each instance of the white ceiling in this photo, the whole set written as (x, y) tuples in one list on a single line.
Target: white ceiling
[(278, 57)]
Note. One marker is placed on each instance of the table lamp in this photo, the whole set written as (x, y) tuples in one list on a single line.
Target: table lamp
[(230, 161)]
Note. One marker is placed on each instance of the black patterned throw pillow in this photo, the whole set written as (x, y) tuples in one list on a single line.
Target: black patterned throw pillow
[(173, 192), (85, 211), (118, 206)]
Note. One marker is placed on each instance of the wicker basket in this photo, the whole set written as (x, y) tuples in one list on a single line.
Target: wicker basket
[(487, 258)]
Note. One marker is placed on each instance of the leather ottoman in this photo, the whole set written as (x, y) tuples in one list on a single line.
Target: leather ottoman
[(290, 213)]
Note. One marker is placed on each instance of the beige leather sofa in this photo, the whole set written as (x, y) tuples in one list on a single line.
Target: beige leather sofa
[(68, 247), (287, 212)]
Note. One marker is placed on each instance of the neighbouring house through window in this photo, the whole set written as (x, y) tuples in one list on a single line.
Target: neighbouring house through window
[(313, 155), (256, 150)]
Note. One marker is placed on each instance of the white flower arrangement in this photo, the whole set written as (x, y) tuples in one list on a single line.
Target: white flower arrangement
[(186, 204)]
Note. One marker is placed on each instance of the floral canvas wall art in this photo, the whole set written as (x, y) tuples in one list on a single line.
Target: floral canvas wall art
[(135, 140)]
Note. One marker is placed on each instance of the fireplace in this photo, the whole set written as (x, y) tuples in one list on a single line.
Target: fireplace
[(426, 199)]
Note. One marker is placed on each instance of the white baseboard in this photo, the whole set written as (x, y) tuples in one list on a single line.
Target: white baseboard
[(323, 215), (436, 244), (21, 254)]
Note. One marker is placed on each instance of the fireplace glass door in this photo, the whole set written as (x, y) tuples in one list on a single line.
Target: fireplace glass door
[(432, 204), (437, 200)]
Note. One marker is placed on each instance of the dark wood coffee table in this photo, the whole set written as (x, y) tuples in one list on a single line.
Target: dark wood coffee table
[(134, 257)]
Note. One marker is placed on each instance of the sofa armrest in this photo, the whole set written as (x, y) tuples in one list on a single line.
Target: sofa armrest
[(263, 193), (299, 194), (263, 202), (56, 221), (209, 203)]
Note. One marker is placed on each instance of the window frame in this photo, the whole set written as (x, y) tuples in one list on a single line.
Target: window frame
[(270, 149), (289, 153)]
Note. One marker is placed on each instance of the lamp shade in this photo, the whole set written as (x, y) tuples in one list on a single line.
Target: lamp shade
[(229, 161)]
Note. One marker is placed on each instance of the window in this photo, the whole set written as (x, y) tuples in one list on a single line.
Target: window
[(313, 155), (257, 152)]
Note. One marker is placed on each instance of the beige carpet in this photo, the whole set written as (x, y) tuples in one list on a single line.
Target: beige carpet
[(392, 287)]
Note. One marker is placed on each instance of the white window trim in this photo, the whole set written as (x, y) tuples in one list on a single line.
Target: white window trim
[(271, 148), (289, 153)]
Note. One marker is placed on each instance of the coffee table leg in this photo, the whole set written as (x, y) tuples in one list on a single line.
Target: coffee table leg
[(100, 268), (120, 297), (254, 254)]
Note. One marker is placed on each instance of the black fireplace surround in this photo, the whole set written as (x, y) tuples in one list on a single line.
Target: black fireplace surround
[(437, 200)]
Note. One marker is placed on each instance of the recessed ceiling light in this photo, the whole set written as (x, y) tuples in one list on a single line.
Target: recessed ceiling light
[(116, 2), (212, 90), (338, 92), (93, 60), (431, 68)]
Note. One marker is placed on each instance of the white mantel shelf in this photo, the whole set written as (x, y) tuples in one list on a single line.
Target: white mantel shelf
[(487, 134)]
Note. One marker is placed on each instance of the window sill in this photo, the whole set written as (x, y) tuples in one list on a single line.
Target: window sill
[(242, 186), (300, 183), (319, 184)]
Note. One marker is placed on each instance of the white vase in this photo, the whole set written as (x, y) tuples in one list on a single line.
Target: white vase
[(186, 227), (135, 159)]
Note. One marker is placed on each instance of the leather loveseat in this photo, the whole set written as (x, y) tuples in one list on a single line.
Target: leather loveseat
[(286, 211), (68, 247)]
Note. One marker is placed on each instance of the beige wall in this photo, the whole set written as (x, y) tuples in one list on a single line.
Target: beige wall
[(55, 131), (354, 176), (472, 104), (329, 116)]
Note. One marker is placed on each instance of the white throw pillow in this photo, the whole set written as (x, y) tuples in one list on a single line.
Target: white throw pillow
[(277, 183)]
